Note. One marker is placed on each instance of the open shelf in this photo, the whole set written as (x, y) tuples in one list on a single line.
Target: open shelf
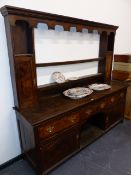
[(68, 62), (52, 88), (68, 81), (23, 55), (91, 130), (89, 133)]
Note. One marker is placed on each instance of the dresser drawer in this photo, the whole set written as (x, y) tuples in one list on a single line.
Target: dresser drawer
[(102, 104), (88, 110), (111, 100), (54, 126)]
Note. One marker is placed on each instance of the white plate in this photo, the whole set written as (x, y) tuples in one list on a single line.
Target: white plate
[(99, 87), (73, 78), (77, 93), (58, 77)]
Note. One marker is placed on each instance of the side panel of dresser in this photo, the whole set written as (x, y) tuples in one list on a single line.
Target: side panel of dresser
[(27, 141)]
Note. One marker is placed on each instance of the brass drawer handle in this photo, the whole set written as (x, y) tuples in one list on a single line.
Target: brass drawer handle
[(102, 105), (88, 112), (50, 129), (72, 118), (112, 99)]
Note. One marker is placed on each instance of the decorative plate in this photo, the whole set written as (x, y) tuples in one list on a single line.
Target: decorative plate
[(58, 77), (77, 93), (99, 87)]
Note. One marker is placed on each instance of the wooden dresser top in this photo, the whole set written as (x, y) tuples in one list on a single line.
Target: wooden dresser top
[(59, 104)]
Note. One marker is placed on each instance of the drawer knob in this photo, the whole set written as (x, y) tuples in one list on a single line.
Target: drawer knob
[(50, 129), (89, 111), (112, 99), (102, 105), (73, 118)]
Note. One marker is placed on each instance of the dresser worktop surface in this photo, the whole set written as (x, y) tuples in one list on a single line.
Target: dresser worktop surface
[(59, 104)]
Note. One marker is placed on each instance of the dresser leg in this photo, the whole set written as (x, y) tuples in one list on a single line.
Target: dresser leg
[(42, 173), (122, 120)]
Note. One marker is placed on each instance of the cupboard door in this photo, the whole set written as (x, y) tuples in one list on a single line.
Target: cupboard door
[(114, 114), (59, 147)]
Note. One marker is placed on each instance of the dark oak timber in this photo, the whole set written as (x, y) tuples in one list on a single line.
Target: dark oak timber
[(33, 17), (68, 62), (51, 126), (47, 110)]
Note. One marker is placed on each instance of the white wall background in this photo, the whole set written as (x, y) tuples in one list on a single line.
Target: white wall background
[(117, 12), (58, 45)]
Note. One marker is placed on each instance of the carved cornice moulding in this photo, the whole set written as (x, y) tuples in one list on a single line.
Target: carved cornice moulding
[(34, 17)]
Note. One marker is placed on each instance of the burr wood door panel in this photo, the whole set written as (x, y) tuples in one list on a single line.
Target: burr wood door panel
[(115, 114)]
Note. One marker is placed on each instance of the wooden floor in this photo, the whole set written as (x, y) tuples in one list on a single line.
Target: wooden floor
[(109, 155)]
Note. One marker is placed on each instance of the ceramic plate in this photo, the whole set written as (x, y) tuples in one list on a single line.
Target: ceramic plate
[(99, 87), (58, 77), (77, 93), (73, 78)]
